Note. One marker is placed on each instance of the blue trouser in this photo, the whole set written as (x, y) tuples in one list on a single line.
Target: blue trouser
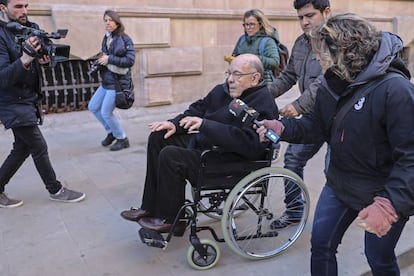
[(102, 105), (296, 157), (332, 218)]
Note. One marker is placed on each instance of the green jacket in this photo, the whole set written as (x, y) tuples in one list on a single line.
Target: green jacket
[(250, 44)]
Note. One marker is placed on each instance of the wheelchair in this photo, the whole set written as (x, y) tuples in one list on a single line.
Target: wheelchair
[(245, 197)]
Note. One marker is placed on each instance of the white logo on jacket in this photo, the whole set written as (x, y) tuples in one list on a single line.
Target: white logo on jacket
[(359, 104)]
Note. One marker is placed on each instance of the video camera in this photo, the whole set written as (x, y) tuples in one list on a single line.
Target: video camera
[(56, 52), (249, 116)]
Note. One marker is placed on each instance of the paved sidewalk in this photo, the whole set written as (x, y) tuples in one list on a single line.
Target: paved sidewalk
[(45, 238)]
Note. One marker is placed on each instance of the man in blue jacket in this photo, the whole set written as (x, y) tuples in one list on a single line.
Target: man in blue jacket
[(175, 146), (20, 96)]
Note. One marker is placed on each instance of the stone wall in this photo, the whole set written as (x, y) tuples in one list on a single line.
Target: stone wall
[(180, 44)]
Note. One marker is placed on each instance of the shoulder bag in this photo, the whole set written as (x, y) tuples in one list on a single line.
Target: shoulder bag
[(124, 96)]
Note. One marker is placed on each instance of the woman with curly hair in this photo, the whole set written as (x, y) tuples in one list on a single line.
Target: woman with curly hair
[(364, 109)]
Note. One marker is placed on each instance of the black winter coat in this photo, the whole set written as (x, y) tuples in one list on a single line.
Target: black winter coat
[(221, 128), (20, 89), (122, 54), (372, 151)]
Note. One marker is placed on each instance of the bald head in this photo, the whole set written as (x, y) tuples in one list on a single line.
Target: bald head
[(245, 71), (251, 61)]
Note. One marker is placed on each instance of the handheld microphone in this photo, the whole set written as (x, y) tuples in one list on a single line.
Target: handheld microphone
[(249, 116)]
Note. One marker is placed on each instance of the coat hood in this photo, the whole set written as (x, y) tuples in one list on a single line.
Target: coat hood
[(385, 59)]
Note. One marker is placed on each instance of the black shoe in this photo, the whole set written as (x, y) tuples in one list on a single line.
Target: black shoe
[(120, 144), (284, 221), (108, 140)]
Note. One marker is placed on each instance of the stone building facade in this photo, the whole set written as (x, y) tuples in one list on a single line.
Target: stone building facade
[(180, 44)]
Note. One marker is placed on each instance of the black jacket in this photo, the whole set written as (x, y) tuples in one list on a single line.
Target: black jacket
[(122, 54), (20, 89), (372, 151), (221, 128)]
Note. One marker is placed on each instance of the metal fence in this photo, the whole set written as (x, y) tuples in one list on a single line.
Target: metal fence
[(67, 86)]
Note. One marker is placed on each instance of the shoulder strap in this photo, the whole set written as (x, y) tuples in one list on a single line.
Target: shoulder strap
[(262, 45), (241, 41), (364, 91)]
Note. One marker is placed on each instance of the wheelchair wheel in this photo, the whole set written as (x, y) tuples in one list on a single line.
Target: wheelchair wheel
[(197, 261), (250, 235)]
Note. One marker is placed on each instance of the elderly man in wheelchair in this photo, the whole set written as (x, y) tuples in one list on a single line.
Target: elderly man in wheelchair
[(175, 151)]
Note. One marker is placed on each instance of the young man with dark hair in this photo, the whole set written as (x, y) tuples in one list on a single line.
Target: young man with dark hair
[(20, 96), (303, 69)]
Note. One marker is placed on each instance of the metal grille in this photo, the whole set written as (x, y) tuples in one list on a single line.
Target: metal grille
[(67, 86)]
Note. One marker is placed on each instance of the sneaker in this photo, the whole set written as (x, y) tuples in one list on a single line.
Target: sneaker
[(120, 144), (284, 221), (7, 202), (66, 195), (108, 140)]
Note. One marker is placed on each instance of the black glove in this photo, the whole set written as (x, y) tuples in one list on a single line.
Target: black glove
[(28, 49)]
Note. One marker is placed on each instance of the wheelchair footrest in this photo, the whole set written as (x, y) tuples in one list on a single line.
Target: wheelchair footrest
[(152, 238)]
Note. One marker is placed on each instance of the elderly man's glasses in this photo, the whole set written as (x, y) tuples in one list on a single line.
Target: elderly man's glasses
[(237, 75), (249, 25)]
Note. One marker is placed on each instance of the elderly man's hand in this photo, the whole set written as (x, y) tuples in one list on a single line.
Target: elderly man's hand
[(191, 123), (157, 126)]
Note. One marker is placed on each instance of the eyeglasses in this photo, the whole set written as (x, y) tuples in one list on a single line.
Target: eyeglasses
[(249, 25), (237, 75)]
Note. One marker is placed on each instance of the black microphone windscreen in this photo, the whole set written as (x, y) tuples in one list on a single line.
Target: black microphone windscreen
[(14, 27), (237, 107)]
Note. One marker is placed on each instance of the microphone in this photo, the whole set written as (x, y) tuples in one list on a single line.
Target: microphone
[(249, 116), (18, 28), (15, 27)]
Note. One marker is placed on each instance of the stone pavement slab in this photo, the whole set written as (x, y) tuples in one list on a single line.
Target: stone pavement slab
[(45, 238)]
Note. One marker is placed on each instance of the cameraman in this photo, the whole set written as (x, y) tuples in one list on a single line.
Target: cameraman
[(20, 100)]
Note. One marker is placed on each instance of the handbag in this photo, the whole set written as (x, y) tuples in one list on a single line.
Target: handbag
[(124, 97)]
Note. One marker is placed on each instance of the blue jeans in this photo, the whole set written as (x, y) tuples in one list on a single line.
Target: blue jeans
[(332, 218), (296, 157), (102, 105)]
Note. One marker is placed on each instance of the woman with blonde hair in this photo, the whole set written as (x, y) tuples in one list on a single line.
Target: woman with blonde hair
[(256, 28)]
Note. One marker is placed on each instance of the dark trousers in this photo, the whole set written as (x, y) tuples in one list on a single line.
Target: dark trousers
[(169, 164), (29, 140), (331, 220)]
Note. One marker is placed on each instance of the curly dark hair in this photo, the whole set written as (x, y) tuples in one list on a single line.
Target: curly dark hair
[(349, 41)]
